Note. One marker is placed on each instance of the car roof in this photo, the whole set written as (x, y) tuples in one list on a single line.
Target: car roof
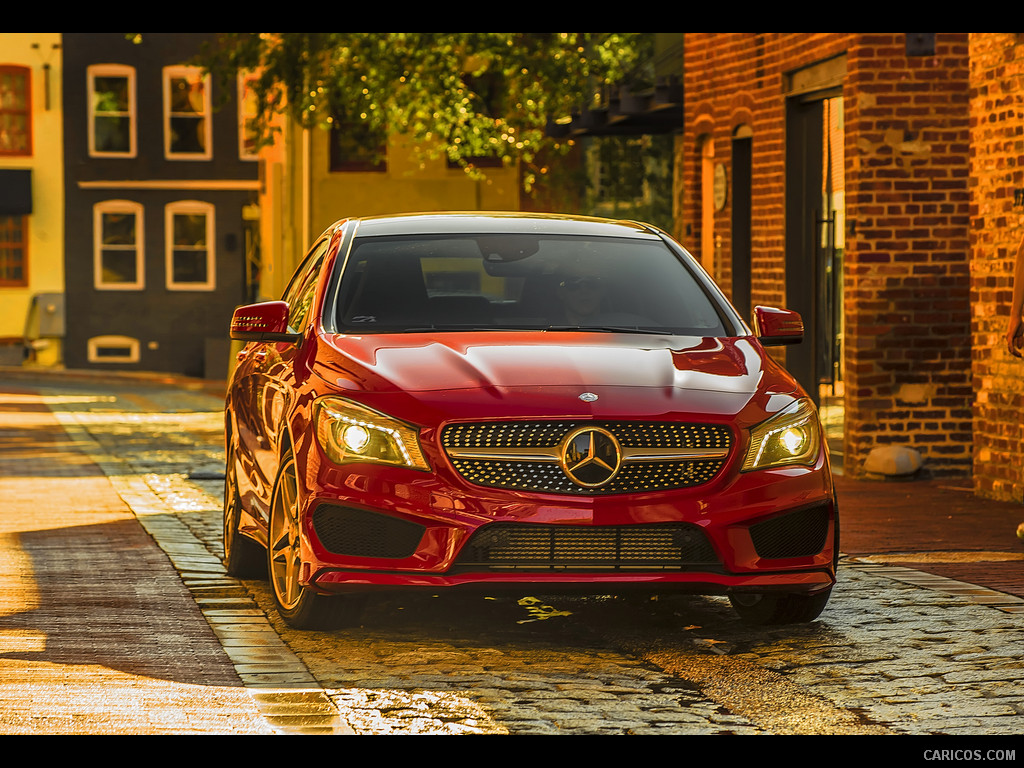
[(480, 222)]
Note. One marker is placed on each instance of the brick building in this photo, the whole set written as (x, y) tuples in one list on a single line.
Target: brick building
[(997, 224), (830, 173)]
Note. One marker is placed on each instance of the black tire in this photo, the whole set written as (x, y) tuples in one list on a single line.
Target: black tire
[(783, 608), (299, 606), (243, 557)]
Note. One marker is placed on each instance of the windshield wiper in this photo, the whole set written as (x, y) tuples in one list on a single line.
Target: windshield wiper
[(609, 329), (446, 327), (450, 327)]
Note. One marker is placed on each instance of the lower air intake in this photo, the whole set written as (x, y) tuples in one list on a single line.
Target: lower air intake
[(797, 534), (559, 547), (360, 533)]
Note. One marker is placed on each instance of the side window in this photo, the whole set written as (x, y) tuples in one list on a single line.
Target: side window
[(300, 293), (248, 133), (111, 110), (189, 250), (113, 349), (355, 147), (13, 250), (15, 111), (187, 110), (118, 239)]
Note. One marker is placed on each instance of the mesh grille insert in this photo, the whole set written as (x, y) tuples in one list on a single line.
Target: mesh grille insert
[(360, 533), (668, 546), (797, 534), (656, 456)]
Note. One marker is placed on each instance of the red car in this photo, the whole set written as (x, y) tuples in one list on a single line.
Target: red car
[(527, 402)]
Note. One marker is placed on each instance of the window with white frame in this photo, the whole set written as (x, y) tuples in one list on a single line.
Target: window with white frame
[(112, 349), (118, 253), (248, 134), (190, 246), (187, 114), (15, 110), (111, 94), (13, 250)]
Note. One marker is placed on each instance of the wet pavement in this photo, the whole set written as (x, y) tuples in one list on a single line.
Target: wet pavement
[(116, 616)]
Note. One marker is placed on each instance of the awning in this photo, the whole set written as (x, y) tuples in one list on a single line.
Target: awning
[(15, 192), (627, 113)]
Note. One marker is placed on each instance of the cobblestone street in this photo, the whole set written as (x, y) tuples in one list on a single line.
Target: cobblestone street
[(103, 632)]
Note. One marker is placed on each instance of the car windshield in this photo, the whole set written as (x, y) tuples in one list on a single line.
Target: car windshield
[(520, 282)]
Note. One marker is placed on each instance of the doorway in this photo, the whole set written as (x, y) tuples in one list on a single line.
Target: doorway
[(815, 226), (708, 240), (742, 172)]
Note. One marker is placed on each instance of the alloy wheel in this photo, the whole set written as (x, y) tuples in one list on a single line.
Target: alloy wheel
[(284, 555)]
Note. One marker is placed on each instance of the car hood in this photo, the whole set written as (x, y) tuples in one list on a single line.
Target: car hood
[(510, 374)]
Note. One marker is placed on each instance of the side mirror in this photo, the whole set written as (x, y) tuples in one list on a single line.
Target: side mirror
[(778, 326), (267, 321)]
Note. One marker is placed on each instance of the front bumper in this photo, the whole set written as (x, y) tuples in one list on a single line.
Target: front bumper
[(369, 527)]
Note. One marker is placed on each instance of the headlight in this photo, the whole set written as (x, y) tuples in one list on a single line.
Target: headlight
[(348, 432), (792, 436)]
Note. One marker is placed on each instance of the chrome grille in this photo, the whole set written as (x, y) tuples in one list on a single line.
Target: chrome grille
[(527, 455)]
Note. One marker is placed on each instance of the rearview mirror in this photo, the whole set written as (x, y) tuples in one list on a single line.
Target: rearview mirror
[(778, 326), (267, 321)]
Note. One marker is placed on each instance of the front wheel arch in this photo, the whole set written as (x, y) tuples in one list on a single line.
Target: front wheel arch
[(298, 605)]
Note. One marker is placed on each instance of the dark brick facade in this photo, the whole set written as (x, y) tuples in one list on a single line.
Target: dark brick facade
[(159, 322)]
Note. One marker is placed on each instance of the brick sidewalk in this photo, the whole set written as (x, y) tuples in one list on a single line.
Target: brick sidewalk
[(97, 633), (936, 526)]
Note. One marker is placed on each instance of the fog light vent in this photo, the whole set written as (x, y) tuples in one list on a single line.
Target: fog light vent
[(360, 533), (797, 534)]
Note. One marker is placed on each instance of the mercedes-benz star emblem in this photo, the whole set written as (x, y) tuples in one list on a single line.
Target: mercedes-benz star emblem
[(588, 397), (591, 456)]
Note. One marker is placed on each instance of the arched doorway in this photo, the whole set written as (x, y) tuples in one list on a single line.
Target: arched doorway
[(707, 203)]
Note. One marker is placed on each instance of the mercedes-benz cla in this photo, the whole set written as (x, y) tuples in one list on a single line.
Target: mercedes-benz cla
[(524, 402)]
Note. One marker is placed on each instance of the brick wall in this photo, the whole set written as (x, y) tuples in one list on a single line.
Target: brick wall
[(732, 79), (908, 275), (997, 224), (907, 278)]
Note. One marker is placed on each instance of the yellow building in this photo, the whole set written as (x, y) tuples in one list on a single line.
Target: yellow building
[(312, 177), (31, 197)]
